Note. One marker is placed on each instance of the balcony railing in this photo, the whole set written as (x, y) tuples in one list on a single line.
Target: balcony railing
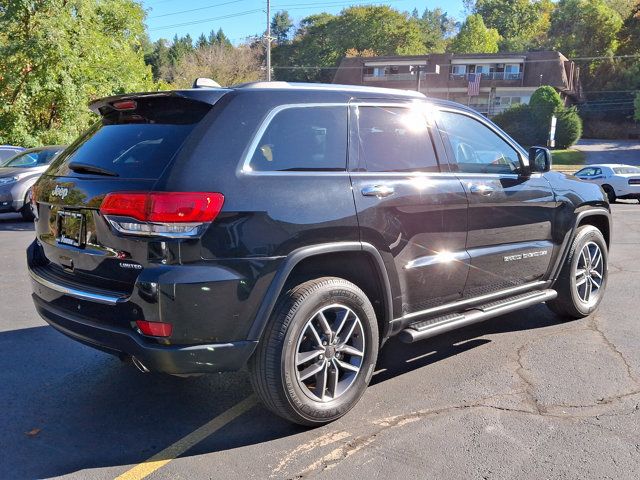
[(488, 76), (391, 77)]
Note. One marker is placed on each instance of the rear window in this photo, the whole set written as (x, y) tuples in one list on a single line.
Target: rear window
[(624, 170), (137, 143)]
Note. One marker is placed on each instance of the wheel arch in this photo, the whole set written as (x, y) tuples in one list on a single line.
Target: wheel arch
[(599, 217), (366, 269)]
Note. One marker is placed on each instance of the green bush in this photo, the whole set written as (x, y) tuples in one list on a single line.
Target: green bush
[(544, 102), (529, 124), (518, 122), (568, 127)]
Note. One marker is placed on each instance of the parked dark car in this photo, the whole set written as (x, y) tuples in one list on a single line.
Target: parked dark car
[(8, 151), (295, 228), (19, 173)]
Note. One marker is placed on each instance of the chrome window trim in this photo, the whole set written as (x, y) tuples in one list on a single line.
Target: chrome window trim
[(76, 293), (245, 168)]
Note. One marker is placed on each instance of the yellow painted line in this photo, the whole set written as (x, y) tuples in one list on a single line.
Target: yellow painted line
[(173, 451)]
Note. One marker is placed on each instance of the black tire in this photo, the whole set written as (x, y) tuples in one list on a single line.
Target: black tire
[(273, 369), (25, 211), (569, 302), (611, 194)]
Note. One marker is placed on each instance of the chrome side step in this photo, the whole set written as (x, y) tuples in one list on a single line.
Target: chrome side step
[(437, 325)]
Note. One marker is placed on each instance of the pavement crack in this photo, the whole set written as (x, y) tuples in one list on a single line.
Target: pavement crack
[(522, 372), (592, 325)]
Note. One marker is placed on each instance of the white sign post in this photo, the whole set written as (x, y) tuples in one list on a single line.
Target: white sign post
[(552, 132)]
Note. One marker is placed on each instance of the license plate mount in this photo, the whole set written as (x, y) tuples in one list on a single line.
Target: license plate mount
[(70, 228)]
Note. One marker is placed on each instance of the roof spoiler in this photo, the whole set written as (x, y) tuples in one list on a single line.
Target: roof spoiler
[(203, 95)]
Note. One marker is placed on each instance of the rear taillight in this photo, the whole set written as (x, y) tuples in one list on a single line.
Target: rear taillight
[(154, 329), (167, 214), (634, 181)]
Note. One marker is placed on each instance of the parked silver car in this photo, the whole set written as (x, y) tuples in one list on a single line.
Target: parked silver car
[(19, 173)]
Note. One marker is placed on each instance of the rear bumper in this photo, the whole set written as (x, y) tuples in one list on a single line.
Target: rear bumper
[(174, 359)]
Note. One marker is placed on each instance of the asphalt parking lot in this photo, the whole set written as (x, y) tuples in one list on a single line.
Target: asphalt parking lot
[(521, 396)]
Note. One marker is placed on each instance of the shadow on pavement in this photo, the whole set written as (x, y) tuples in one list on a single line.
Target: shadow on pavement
[(86, 409), (14, 222)]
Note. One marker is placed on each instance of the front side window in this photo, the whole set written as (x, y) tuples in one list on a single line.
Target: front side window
[(476, 148), (586, 172), (395, 139), (303, 138)]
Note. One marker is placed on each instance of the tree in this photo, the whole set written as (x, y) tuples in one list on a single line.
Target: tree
[(180, 46), (521, 23), (323, 39), (436, 27), (622, 7), (219, 38), (281, 25), (158, 58), (629, 34), (61, 55), (226, 65), (584, 28), (202, 41), (475, 37)]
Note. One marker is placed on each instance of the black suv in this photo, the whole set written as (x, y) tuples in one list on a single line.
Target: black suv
[(295, 228)]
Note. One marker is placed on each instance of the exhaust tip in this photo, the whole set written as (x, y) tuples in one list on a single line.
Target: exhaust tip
[(139, 365)]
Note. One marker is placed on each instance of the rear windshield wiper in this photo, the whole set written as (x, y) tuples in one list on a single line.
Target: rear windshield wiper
[(88, 168)]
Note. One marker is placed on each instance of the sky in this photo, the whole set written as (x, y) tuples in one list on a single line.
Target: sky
[(242, 18)]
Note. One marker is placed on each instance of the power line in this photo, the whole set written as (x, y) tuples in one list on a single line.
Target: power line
[(196, 22), (195, 9), (291, 6)]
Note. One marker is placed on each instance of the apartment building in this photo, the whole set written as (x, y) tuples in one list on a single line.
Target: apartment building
[(505, 79)]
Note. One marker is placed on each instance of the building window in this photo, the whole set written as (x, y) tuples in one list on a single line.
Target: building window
[(458, 70)]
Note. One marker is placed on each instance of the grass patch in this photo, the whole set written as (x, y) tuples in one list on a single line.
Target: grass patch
[(568, 158)]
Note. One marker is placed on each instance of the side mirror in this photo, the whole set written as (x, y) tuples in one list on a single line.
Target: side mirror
[(539, 160)]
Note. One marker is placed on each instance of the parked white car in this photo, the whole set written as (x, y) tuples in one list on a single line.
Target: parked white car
[(617, 180)]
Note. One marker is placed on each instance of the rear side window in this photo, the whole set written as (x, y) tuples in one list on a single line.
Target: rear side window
[(136, 143), (395, 139), (303, 138)]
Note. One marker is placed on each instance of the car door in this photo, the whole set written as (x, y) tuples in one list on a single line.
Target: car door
[(510, 236), (410, 210)]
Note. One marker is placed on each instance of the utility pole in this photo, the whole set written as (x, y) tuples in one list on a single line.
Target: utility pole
[(268, 39)]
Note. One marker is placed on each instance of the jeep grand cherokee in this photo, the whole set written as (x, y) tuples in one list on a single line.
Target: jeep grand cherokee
[(295, 228)]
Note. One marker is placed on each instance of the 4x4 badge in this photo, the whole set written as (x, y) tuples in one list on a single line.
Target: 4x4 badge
[(60, 192)]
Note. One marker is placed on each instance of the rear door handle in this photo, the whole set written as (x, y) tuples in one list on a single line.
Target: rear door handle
[(379, 191), (481, 189)]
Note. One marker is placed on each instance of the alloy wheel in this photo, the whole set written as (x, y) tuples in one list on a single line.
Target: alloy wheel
[(329, 353), (589, 274)]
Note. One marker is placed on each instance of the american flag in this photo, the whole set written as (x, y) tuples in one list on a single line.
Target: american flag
[(474, 84)]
